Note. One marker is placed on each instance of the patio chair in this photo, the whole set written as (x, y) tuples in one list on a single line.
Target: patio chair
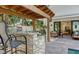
[(11, 40)]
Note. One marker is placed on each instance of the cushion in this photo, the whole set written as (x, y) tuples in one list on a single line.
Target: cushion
[(76, 33), (15, 43)]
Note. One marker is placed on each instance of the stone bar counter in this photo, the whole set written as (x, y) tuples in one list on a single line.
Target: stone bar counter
[(35, 42)]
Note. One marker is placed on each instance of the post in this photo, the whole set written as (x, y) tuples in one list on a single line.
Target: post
[(48, 29), (48, 32)]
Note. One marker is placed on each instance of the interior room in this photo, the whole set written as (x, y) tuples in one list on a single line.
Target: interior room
[(66, 27), (64, 31)]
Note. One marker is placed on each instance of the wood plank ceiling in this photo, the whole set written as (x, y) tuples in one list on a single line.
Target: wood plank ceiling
[(45, 9), (26, 12)]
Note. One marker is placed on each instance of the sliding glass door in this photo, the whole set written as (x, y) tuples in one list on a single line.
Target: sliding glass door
[(57, 26)]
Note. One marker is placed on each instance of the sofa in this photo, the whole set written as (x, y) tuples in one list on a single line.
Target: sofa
[(75, 35), (54, 34)]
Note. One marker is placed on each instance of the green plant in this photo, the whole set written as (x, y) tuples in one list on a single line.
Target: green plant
[(27, 22), (14, 19), (39, 24)]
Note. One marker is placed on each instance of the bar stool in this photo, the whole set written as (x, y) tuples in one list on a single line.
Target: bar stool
[(12, 39), (14, 43), (2, 40)]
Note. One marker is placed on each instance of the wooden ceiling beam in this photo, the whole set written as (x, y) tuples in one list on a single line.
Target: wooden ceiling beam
[(29, 11), (11, 6), (49, 13), (39, 6), (34, 14), (31, 14), (36, 10), (20, 8), (42, 8), (14, 6), (45, 9), (6, 11), (52, 14)]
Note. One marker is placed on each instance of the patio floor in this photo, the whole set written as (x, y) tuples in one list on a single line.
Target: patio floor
[(60, 45)]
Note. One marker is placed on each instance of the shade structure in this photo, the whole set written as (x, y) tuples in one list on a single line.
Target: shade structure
[(33, 12), (23, 11)]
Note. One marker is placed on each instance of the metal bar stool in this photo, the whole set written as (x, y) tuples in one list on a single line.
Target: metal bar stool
[(14, 43), (3, 45), (2, 40), (12, 39)]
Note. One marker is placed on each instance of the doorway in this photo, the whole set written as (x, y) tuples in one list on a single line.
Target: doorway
[(66, 27)]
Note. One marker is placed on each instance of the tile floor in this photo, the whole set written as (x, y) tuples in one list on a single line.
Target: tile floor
[(60, 45)]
